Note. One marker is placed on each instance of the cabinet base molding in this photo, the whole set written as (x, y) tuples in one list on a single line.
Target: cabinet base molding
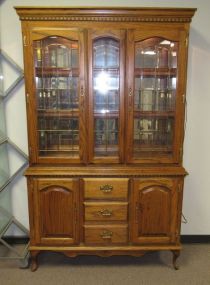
[(120, 250), (101, 251)]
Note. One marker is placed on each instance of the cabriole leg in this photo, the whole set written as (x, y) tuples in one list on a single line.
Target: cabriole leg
[(34, 263), (176, 254)]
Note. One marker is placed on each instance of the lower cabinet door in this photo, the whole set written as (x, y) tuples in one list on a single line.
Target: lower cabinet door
[(55, 211), (156, 210)]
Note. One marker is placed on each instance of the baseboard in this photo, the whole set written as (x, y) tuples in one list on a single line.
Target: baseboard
[(16, 240), (184, 239), (195, 238)]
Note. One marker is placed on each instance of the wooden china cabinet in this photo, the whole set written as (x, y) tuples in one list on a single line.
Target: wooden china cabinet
[(105, 92)]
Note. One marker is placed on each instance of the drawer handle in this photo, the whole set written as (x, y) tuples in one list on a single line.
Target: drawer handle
[(106, 234), (106, 188), (105, 213)]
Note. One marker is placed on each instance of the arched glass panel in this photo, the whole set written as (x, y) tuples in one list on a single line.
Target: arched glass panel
[(106, 96), (155, 96), (56, 81)]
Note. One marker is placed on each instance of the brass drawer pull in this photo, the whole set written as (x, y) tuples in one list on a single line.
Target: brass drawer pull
[(106, 188), (105, 213), (106, 234)]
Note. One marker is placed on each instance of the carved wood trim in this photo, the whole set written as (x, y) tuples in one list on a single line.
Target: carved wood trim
[(104, 19), (106, 14)]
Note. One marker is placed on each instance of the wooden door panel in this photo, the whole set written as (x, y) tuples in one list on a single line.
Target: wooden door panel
[(56, 211), (40, 33), (154, 206), (56, 208), (154, 210)]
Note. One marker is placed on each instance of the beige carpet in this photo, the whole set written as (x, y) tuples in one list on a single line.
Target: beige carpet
[(153, 268)]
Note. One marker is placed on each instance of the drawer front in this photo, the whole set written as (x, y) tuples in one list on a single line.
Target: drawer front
[(106, 188), (110, 211), (106, 234)]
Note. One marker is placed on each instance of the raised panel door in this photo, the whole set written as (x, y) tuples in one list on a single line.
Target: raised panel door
[(56, 212), (154, 210)]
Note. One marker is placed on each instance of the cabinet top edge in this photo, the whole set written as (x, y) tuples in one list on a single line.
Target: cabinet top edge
[(102, 171), (148, 14)]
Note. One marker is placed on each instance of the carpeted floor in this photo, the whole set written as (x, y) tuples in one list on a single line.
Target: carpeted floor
[(153, 268)]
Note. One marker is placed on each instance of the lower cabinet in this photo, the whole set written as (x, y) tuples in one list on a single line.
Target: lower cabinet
[(95, 215), (155, 210), (54, 211)]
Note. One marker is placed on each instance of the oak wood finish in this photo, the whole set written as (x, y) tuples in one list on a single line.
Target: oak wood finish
[(56, 212), (155, 202), (105, 188), (106, 211), (113, 204), (106, 234)]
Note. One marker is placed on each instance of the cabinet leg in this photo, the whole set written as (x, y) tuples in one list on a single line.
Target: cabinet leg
[(176, 254), (34, 263)]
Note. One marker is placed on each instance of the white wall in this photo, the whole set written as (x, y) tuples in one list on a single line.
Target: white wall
[(197, 140)]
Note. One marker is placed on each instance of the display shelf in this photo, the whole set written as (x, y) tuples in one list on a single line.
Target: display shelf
[(56, 71)]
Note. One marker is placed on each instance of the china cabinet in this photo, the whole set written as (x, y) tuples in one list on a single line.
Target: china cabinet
[(105, 92)]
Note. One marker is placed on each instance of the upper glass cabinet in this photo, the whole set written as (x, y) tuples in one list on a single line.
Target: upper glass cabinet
[(132, 110), (154, 102), (106, 97), (57, 87)]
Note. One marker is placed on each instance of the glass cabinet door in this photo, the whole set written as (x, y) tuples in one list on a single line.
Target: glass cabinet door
[(154, 133), (106, 95), (58, 69)]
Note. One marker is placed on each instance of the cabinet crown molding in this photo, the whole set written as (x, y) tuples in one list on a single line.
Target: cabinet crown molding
[(106, 14)]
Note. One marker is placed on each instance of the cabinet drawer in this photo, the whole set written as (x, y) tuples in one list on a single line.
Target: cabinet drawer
[(110, 211), (106, 234), (107, 188)]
